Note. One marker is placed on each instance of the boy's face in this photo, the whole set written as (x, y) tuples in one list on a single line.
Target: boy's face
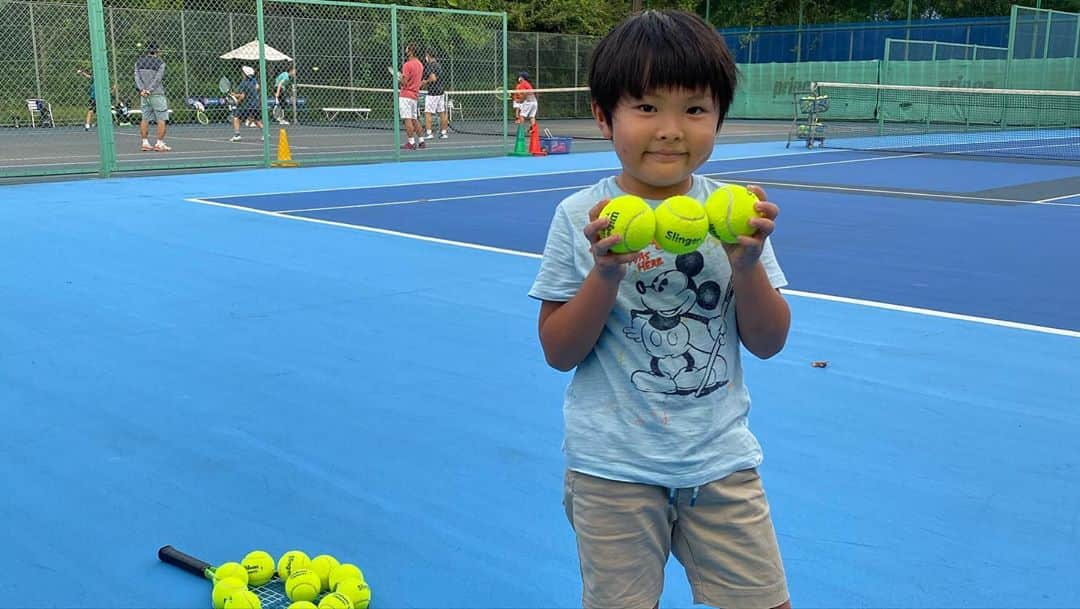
[(661, 139)]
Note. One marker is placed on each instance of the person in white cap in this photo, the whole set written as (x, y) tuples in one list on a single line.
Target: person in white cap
[(247, 98)]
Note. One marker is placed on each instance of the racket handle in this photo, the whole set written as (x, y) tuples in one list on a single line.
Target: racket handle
[(172, 556)]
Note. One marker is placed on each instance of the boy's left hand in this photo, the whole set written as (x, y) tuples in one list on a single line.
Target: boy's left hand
[(745, 254)]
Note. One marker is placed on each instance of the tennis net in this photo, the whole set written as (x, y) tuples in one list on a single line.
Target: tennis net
[(949, 120), (483, 112)]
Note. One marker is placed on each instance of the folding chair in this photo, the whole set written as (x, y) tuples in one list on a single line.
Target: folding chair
[(40, 113)]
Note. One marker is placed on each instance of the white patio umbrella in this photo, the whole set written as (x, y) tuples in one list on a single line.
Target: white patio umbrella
[(250, 52)]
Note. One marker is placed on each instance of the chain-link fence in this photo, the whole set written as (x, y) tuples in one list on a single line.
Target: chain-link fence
[(187, 88), (48, 90)]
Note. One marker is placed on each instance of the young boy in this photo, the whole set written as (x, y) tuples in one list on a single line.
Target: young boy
[(660, 458)]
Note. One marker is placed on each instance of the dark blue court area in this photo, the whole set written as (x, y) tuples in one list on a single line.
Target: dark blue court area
[(959, 235), (348, 363)]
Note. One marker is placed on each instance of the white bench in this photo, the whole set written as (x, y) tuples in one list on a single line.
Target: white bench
[(332, 113)]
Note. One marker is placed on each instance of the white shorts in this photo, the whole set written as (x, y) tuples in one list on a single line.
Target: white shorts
[(434, 104), (528, 109), (407, 107)]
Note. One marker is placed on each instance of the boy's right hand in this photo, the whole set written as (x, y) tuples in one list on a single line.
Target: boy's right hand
[(608, 264)]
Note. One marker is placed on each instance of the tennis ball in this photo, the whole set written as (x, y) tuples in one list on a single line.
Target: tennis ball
[(225, 588), (231, 569), (260, 567), (335, 600), (293, 560), (729, 209), (243, 600), (344, 572), (303, 585), (357, 591), (302, 605), (681, 224), (323, 564), (632, 218)]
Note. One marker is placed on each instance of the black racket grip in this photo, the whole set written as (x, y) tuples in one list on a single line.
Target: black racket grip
[(171, 555)]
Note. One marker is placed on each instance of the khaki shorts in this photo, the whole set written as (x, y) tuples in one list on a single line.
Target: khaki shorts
[(626, 531), (155, 108)]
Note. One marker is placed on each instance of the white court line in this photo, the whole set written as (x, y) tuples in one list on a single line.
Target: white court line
[(518, 175), (487, 248), (431, 200), (925, 195), (1075, 194), (932, 313), (801, 165)]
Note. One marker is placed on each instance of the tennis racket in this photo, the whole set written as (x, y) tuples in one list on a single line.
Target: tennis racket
[(279, 112), (271, 594), (225, 87), (394, 72), (200, 113)]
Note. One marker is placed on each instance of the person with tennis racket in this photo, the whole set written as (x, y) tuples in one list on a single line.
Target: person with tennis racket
[(149, 80), (247, 103), (526, 101), (281, 86), (435, 102), (412, 71)]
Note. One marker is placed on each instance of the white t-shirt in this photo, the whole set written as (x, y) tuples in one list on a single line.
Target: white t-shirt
[(660, 399)]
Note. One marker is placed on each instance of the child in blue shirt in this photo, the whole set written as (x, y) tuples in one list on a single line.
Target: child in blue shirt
[(660, 457)]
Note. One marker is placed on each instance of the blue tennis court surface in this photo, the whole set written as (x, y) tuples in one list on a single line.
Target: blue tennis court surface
[(344, 360)]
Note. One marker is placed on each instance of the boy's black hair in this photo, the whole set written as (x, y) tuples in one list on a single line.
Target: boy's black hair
[(660, 49)]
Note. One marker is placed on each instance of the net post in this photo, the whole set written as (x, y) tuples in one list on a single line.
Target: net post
[(99, 63)]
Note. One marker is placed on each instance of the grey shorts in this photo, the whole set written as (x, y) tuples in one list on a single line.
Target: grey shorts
[(626, 531), (155, 108)]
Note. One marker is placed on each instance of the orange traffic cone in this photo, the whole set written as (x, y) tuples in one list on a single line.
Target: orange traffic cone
[(284, 155), (534, 142)]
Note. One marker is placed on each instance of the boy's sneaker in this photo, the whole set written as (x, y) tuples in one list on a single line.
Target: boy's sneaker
[(420, 144), (408, 146), (147, 148), (161, 147), (235, 138), (443, 136)]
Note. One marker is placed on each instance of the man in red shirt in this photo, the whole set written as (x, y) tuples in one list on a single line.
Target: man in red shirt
[(525, 100), (411, 74)]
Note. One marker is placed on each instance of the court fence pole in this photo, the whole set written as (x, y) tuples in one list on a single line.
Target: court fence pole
[(395, 62), (99, 62), (505, 92), (260, 27)]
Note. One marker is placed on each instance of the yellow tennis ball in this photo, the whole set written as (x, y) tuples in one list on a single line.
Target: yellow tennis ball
[(730, 209), (335, 600), (681, 224), (344, 572), (223, 589), (303, 585), (260, 567), (243, 600), (632, 218), (293, 560), (357, 591), (323, 564), (302, 605), (231, 569)]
